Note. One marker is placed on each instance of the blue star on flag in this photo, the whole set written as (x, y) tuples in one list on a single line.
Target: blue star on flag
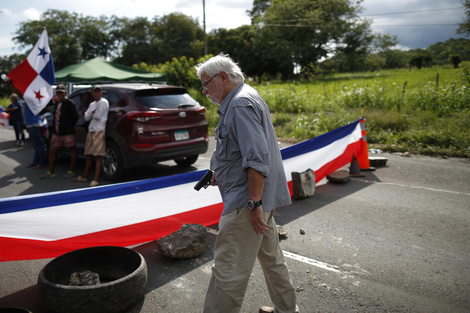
[(42, 52)]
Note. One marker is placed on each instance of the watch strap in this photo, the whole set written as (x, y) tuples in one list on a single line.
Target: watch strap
[(255, 204)]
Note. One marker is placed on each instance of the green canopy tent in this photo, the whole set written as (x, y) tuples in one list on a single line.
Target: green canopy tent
[(100, 71)]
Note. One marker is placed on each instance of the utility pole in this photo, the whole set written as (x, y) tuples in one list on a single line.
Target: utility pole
[(204, 22)]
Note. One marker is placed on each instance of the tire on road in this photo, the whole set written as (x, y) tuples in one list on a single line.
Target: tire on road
[(123, 280)]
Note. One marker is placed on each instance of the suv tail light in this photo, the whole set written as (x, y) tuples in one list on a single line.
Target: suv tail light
[(143, 116)]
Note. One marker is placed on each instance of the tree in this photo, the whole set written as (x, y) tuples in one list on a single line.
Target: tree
[(420, 59), (356, 46), (7, 63), (441, 51), (253, 49), (310, 29), (72, 37), (455, 60), (62, 33), (395, 58), (181, 72), (375, 62), (95, 39), (134, 36), (258, 10), (384, 42), (464, 28), (176, 35)]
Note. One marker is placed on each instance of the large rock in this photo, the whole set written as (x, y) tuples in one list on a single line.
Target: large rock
[(188, 242), (85, 278), (303, 184), (339, 177)]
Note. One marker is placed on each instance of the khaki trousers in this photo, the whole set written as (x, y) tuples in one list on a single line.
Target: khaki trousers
[(236, 249)]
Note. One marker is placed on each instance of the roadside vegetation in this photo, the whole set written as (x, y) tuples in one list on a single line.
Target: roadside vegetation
[(424, 111)]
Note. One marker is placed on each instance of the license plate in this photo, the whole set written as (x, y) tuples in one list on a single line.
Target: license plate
[(181, 135)]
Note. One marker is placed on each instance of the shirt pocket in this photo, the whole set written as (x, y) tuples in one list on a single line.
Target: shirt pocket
[(222, 149)]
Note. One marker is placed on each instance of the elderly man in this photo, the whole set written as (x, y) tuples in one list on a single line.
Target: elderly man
[(250, 175)]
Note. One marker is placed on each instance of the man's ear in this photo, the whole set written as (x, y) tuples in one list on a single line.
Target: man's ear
[(223, 77)]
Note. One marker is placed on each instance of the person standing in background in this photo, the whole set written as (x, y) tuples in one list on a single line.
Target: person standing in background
[(97, 115), (16, 119), (65, 118), (34, 125)]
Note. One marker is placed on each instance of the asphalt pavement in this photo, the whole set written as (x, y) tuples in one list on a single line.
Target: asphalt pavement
[(395, 240)]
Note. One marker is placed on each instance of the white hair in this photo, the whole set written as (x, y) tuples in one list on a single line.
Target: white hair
[(219, 63)]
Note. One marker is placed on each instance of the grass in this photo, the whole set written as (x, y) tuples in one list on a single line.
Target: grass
[(420, 111)]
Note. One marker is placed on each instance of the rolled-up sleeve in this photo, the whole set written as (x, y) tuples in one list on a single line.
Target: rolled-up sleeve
[(251, 139)]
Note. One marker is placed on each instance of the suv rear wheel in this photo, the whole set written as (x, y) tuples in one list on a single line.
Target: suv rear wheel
[(187, 161), (112, 162)]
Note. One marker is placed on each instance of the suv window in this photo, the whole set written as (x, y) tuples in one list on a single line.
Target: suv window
[(79, 101), (112, 97), (162, 99)]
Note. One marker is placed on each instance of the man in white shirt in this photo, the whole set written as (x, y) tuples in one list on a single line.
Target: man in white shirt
[(97, 115)]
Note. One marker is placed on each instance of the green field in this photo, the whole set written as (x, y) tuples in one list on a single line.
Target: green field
[(420, 111)]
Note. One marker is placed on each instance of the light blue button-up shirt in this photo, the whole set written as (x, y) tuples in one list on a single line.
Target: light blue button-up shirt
[(246, 138)]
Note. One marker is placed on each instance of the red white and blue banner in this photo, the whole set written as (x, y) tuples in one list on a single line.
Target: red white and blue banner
[(51, 224), (35, 76)]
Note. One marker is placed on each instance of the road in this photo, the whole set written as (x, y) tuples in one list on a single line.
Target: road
[(395, 240)]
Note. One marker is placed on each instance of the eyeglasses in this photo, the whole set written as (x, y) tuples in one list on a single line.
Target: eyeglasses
[(204, 86)]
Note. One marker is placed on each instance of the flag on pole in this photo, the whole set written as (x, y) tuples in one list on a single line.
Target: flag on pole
[(35, 75)]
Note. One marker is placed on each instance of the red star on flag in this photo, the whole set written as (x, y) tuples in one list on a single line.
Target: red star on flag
[(38, 95)]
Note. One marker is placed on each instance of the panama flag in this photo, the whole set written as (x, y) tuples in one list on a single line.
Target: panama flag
[(35, 75)]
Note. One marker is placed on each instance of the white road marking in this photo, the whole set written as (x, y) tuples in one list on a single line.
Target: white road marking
[(297, 257), (313, 262), (419, 187)]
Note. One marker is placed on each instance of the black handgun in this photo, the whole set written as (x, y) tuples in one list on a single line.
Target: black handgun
[(204, 181)]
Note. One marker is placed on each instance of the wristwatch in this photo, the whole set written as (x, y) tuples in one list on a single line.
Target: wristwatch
[(253, 204)]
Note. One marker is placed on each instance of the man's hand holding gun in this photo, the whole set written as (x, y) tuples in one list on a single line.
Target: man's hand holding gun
[(205, 181)]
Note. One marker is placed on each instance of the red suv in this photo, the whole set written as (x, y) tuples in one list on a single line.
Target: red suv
[(146, 124)]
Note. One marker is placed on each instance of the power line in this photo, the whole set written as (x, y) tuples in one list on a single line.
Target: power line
[(417, 25), (390, 25), (406, 12), (374, 14)]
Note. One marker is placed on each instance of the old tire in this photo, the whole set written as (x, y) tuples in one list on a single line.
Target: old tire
[(123, 277)]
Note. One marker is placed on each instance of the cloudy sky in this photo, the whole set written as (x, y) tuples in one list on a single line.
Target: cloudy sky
[(416, 23)]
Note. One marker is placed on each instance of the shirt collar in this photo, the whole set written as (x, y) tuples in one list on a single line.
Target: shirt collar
[(224, 105)]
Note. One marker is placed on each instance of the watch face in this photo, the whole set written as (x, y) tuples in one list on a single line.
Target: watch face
[(251, 204)]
